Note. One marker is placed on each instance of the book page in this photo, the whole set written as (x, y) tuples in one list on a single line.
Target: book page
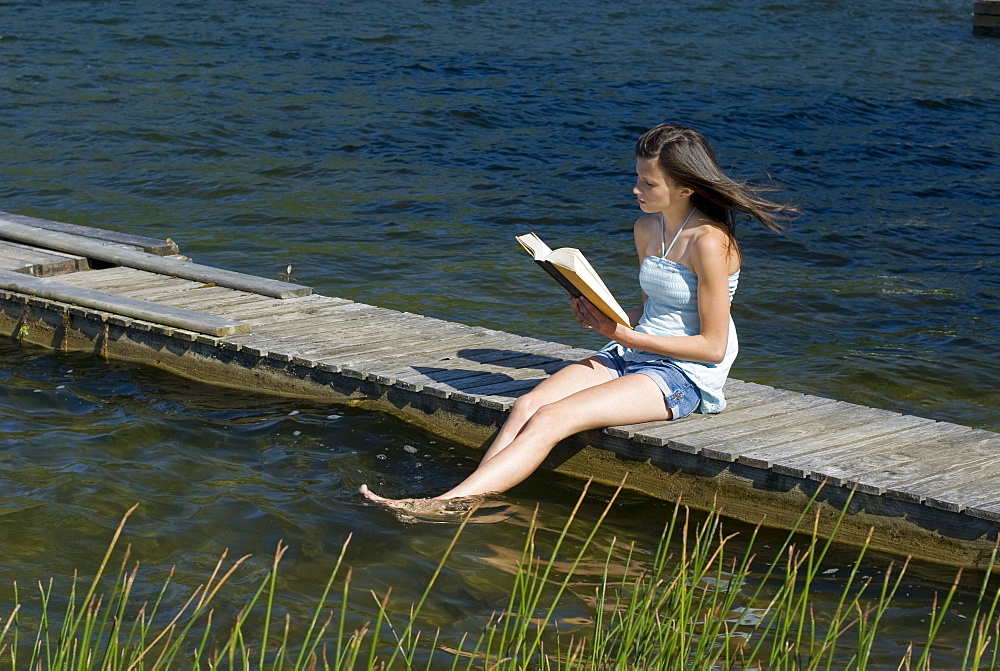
[(567, 264), (534, 246), (578, 270)]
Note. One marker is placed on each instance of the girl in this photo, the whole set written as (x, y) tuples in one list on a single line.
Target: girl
[(675, 361)]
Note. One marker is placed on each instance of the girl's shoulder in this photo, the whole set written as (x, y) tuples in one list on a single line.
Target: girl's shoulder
[(707, 234), (709, 241), (647, 225), (648, 221), (645, 232)]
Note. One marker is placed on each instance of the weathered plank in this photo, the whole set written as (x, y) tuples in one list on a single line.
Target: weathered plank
[(454, 388), (912, 462), (246, 305), (468, 379), (262, 313), (489, 346), (696, 432), (447, 367), (499, 389), (141, 283), (152, 312), (361, 357), (198, 297), (145, 244), (96, 249), (963, 470), (798, 458), (294, 343), (480, 346), (750, 395), (162, 290), (360, 351), (355, 321), (38, 262), (954, 488), (165, 289), (274, 340), (287, 309), (799, 428), (869, 456), (735, 390), (726, 444), (986, 510), (170, 289), (352, 327), (11, 265), (837, 419), (110, 277)]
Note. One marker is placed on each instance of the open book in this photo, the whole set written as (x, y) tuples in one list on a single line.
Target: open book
[(571, 269)]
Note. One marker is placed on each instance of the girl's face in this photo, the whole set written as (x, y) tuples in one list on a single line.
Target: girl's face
[(655, 191)]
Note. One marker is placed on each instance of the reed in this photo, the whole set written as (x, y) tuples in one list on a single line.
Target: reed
[(697, 604)]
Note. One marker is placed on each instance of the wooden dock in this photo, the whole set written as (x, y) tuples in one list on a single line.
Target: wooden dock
[(986, 18), (930, 489)]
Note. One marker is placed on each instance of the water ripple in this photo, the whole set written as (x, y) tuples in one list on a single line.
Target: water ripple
[(393, 162)]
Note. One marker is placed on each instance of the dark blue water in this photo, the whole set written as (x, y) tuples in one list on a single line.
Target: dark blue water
[(390, 153), (390, 156)]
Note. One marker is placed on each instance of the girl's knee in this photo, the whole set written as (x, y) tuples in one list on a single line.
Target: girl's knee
[(525, 406), (552, 418)]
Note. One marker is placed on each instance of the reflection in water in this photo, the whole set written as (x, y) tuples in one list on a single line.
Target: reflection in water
[(481, 509), (285, 470)]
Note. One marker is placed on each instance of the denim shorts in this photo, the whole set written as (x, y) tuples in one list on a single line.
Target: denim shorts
[(680, 394)]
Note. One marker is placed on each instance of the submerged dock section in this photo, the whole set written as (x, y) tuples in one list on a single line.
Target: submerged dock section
[(930, 489)]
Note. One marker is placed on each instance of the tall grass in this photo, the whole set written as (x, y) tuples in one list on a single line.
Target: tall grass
[(698, 604)]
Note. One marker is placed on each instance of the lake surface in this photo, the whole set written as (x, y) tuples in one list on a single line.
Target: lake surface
[(389, 155)]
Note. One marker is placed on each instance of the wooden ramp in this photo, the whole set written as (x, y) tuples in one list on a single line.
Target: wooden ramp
[(770, 449)]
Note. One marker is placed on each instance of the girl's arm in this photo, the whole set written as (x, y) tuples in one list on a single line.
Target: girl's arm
[(642, 232), (709, 260), (635, 314)]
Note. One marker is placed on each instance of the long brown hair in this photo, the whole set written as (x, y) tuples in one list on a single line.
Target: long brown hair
[(684, 155)]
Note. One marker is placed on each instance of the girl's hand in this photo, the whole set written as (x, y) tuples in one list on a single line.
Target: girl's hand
[(590, 317)]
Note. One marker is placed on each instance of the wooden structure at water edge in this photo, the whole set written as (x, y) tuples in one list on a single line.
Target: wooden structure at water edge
[(986, 18), (930, 489)]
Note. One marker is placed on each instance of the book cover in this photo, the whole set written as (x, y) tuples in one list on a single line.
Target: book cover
[(570, 268)]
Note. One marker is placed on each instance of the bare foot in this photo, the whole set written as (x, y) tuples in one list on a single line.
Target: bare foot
[(429, 510), (372, 496)]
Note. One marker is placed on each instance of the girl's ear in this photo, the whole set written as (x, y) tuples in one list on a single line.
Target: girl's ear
[(687, 192)]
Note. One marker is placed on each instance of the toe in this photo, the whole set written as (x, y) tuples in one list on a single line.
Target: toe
[(369, 494)]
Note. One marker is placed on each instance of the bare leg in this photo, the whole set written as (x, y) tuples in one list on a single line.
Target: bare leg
[(564, 382), (625, 400)]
